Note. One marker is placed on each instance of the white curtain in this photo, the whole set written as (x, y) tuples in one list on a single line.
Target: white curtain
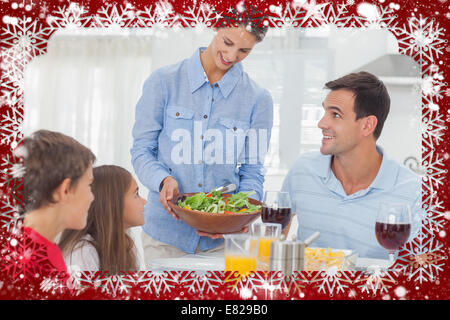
[(88, 84), (87, 87)]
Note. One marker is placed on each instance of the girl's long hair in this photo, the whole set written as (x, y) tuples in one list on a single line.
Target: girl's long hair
[(105, 223)]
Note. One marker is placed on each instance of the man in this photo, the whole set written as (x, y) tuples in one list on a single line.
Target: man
[(338, 191)]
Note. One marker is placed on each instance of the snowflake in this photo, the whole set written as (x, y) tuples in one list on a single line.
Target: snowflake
[(337, 16), (70, 18), (249, 15), (422, 258), (10, 214), (11, 131), (205, 16), (422, 39), (247, 285), (270, 288), (10, 183), (114, 17), (23, 259), (297, 282), (434, 166), (80, 280), (332, 281), (273, 284), (43, 11), (53, 285), (432, 85), (433, 220), (27, 35), (376, 281), (196, 283), (307, 14), (23, 40), (158, 283), (156, 16), (290, 15), (374, 17), (14, 61), (164, 9), (116, 285), (301, 14), (433, 126), (314, 11)]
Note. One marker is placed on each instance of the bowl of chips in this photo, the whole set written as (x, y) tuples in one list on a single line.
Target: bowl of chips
[(319, 259)]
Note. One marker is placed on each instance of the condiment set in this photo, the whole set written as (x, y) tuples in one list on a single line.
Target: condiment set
[(289, 256)]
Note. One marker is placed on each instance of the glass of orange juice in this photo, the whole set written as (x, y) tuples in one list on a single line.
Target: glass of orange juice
[(266, 233), (241, 252)]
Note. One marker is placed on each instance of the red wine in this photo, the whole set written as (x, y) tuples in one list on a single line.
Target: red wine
[(392, 235), (280, 215)]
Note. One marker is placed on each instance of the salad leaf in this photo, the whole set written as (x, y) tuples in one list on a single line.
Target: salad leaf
[(214, 202)]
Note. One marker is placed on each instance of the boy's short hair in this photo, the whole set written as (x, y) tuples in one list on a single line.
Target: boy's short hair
[(49, 158)]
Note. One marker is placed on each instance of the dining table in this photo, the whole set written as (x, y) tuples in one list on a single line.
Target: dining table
[(214, 261)]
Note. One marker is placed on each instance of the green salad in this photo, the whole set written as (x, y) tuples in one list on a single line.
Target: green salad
[(214, 202)]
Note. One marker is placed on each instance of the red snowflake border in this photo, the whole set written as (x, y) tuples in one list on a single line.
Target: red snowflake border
[(423, 260)]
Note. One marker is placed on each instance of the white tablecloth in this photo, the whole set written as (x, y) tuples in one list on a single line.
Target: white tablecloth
[(203, 262)]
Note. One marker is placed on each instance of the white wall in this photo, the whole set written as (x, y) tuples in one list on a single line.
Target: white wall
[(402, 132), (356, 47)]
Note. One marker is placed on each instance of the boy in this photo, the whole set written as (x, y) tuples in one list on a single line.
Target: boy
[(57, 196)]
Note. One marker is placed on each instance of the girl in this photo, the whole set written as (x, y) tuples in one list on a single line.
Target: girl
[(104, 244)]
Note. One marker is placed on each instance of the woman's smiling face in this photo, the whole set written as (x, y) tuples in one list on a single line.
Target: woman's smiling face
[(231, 45)]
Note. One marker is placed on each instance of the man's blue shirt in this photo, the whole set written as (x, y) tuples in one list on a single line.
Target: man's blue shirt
[(348, 221)]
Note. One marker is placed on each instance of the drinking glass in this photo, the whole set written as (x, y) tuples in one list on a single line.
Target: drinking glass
[(266, 233), (276, 208), (241, 252), (393, 226)]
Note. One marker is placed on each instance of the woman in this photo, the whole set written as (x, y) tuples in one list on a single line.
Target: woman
[(104, 244), (192, 134)]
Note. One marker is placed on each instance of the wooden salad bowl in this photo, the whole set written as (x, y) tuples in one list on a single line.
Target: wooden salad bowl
[(215, 222)]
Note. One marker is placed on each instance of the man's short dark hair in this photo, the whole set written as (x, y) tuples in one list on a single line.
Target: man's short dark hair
[(371, 96)]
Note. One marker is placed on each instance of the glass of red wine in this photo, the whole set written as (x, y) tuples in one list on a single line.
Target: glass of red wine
[(393, 226), (276, 208)]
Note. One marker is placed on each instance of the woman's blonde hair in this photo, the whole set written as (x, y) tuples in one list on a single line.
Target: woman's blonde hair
[(105, 223)]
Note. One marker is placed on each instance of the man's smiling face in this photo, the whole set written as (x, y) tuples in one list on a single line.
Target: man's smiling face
[(340, 129)]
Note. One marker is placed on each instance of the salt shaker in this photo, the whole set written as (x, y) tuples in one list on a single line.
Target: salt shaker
[(298, 256), (281, 256)]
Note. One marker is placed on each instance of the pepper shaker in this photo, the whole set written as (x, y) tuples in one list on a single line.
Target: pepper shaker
[(298, 256), (281, 257)]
